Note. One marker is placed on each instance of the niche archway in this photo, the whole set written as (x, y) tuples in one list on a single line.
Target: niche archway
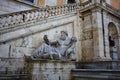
[(113, 41)]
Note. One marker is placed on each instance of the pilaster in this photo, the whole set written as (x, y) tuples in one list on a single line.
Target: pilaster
[(98, 38)]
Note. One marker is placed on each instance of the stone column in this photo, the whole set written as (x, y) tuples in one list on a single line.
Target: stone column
[(79, 33), (106, 36), (98, 35)]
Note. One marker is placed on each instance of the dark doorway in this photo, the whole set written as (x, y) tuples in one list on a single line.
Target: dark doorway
[(71, 1)]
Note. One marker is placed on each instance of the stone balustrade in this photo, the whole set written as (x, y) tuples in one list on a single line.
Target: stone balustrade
[(8, 20)]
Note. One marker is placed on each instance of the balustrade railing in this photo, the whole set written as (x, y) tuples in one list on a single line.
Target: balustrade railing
[(8, 20)]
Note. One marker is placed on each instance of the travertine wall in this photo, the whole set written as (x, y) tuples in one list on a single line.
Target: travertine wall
[(87, 38), (95, 38), (52, 70), (9, 6)]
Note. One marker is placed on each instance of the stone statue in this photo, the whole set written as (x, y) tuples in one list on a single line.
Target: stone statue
[(46, 51), (63, 48), (67, 45)]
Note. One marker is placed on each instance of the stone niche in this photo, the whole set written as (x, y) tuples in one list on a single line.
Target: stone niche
[(49, 69)]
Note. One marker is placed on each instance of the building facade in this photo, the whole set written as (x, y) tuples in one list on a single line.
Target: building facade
[(23, 23)]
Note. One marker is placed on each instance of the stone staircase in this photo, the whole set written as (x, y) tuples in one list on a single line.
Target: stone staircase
[(15, 77), (92, 72)]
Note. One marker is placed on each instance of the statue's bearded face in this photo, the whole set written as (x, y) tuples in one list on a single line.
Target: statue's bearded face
[(63, 36)]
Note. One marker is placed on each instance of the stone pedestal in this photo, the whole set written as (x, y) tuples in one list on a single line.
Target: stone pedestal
[(50, 69)]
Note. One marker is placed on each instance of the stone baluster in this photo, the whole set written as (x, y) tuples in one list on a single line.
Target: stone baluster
[(72, 7), (69, 8), (3, 21), (31, 15), (39, 14), (7, 21), (49, 12), (20, 18), (57, 10), (43, 13), (35, 15), (62, 9), (17, 19), (66, 9), (13, 19), (46, 13), (52, 11), (26, 16)]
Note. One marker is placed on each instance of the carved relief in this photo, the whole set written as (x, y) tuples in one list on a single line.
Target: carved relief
[(63, 48)]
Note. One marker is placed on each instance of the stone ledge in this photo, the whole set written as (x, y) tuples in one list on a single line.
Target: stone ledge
[(28, 59), (99, 65)]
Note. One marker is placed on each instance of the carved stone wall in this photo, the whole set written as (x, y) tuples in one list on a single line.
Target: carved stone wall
[(26, 44), (87, 38), (51, 70)]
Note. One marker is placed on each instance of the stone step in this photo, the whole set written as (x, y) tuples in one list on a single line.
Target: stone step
[(95, 74), (15, 77), (94, 77), (99, 65)]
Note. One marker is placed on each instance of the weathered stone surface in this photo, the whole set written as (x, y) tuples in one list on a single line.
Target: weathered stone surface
[(4, 50), (14, 65), (51, 70)]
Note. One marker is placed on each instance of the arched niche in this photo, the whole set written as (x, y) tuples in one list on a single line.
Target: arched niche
[(71, 1), (113, 41)]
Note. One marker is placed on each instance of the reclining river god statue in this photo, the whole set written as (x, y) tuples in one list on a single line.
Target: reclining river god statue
[(61, 49)]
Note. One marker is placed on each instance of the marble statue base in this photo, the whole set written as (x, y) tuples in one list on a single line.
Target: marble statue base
[(50, 69)]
